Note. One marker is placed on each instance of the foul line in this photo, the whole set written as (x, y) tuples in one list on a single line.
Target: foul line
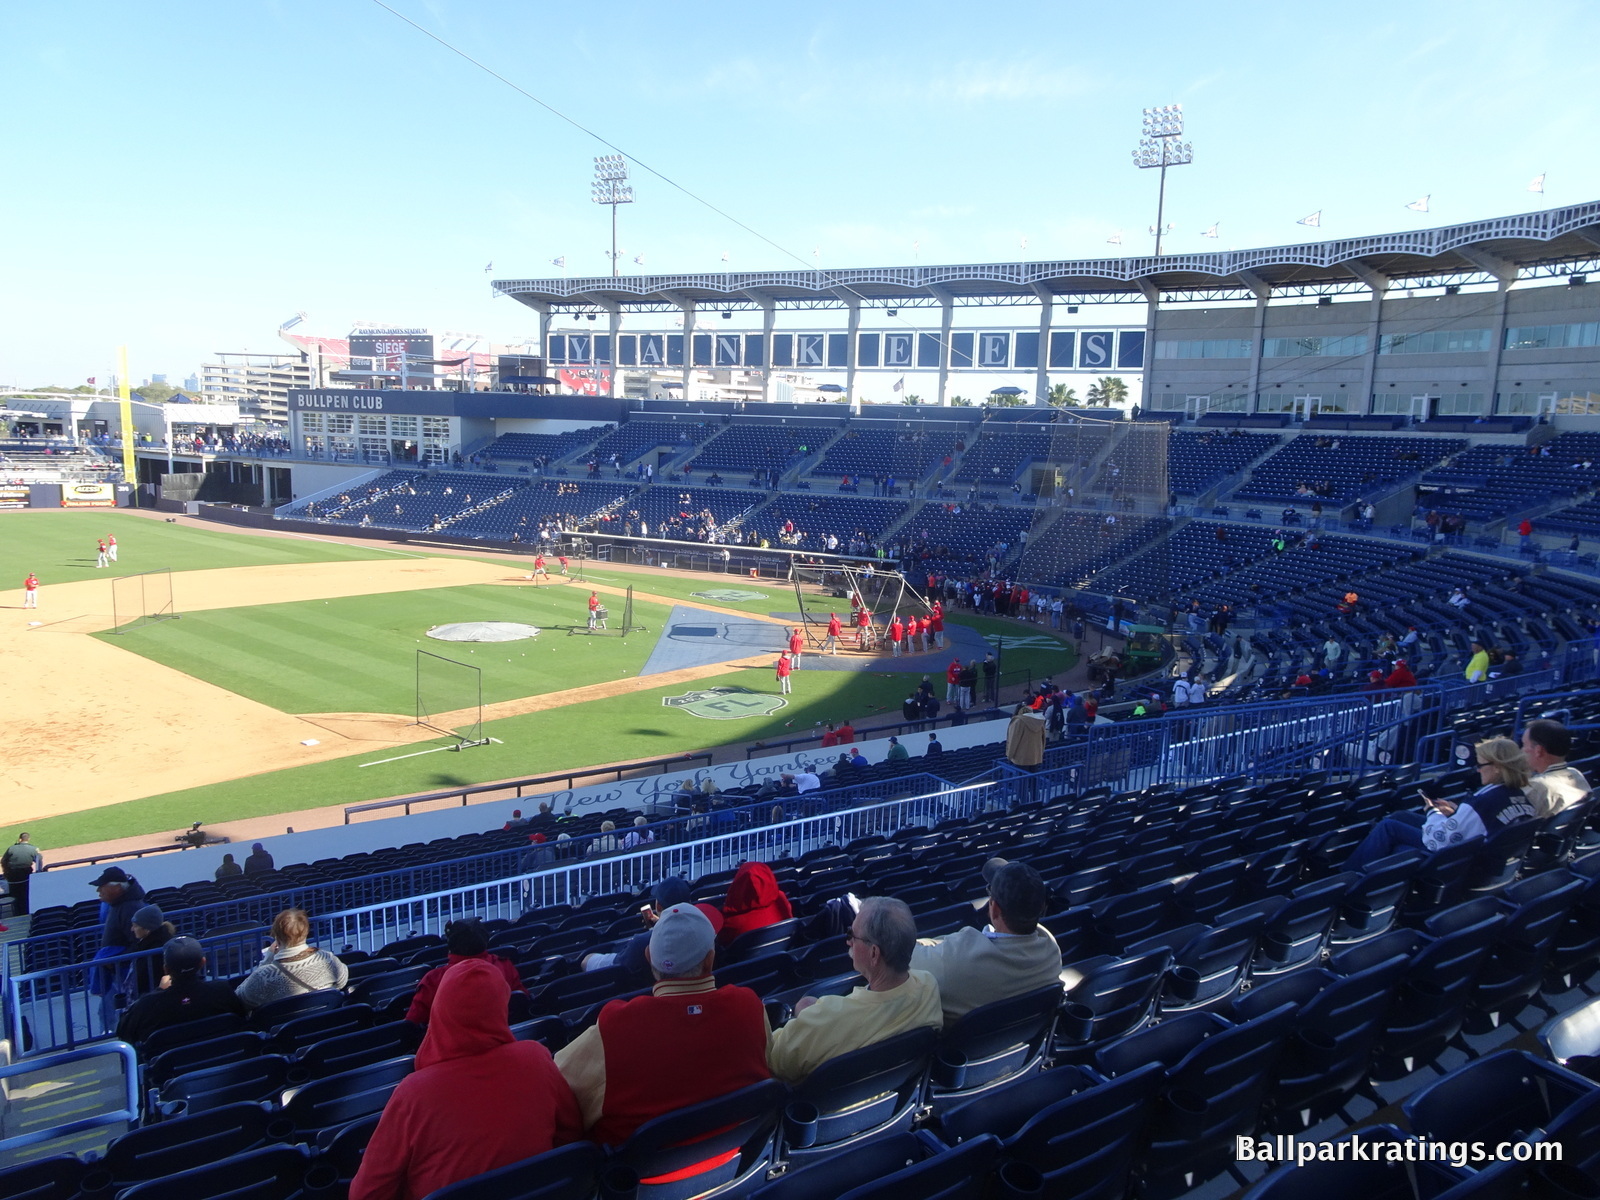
[(420, 753)]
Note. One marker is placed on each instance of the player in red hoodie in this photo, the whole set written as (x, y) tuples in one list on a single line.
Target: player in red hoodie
[(479, 1098)]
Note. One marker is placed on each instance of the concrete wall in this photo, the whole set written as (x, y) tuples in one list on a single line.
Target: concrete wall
[(306, 479), (451, 819)]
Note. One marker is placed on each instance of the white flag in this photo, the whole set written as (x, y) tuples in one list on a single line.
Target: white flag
[(1537, 183), (1420, 205), (1212, 232), (1314, 220), (488, 266), (559, 262), (900, 384), (1115, 239)]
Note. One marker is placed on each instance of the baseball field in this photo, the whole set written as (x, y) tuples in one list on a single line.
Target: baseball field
[(288, 680)]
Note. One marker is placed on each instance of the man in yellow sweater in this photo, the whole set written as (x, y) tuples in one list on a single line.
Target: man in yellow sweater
[(895, 999), (1012, 955)]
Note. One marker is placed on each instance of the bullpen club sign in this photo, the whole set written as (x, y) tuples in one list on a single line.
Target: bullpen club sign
[(726, 703)]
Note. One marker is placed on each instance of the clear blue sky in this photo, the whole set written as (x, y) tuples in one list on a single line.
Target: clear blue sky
[(182, 177)]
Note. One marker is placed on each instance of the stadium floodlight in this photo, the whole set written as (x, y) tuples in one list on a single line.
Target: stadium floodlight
[(611, 187), (1160, 148)]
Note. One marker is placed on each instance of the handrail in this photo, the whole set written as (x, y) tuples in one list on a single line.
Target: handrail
[(128, 1114), (570, 776)]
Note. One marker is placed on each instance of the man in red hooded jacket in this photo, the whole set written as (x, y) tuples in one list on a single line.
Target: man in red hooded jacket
[(478, 1099), (754, 901)]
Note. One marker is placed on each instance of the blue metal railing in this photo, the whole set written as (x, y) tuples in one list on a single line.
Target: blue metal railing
[(79, 944), (127, 1115)]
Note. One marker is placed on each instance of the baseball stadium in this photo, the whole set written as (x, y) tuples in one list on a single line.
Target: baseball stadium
[(1161, 682)]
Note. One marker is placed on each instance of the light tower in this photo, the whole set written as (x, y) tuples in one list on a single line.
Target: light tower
[(611, 187), (1160, 147)]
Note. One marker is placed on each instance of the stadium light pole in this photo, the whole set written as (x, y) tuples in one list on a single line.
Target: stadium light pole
[(1159, 147), (611, 187)]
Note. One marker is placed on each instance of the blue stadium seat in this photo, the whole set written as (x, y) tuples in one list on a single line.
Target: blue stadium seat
[(1081, 1133), (993, 1044), (568, 1173), (172, 1146), (258, 1078), (55, 1178), (729, 1138), (1367, 1179), (269, 1173), (340, 1099), (857, 1097), (1499, 1098)]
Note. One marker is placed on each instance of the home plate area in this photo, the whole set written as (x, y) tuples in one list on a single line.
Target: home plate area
[(694, 637)]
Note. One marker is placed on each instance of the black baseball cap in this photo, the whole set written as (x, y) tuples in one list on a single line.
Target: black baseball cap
[(183, 955), (109, 875)]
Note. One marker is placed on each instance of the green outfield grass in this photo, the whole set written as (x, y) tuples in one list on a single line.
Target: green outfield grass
[(358, 653), (634, 726), (59, 547)]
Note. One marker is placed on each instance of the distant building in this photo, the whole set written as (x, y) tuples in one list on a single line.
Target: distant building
[(258, 383), (191, 383)]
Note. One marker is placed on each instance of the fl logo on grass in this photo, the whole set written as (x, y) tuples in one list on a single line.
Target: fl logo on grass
[(726, 703)]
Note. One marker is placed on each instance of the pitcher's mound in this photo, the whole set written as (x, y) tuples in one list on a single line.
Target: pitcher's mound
[(484, 631)]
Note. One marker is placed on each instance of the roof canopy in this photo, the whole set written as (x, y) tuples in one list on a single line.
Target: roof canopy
[(1557, 241)]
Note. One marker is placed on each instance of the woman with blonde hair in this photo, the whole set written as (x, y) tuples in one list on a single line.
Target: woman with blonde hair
[(289, 966), (1500, 801)]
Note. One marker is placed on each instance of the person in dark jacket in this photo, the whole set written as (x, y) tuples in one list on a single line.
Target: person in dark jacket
[(151, 931), (184, 994), (466, 939), (258, 861), (120, 898), (227, 867)]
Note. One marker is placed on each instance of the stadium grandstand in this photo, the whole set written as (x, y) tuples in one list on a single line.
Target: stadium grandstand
[(1340, 566)]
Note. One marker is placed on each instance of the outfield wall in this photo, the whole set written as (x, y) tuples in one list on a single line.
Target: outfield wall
[(184, 866)]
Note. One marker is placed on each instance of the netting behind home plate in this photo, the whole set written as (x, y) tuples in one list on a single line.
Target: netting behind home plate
[(1103, 495)]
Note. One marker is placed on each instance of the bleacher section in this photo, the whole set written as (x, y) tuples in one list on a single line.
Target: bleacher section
[(1079, 544), (1490, 482), (1199, 460), (947, 538), (411, 500), (745, 449), (1225, 977), (1199, 552), (1581, 519), (849, 518), (540, 447), (628, 442), (676, 512), (1339, 467), (905, 455), (998, 456), (570, 503)]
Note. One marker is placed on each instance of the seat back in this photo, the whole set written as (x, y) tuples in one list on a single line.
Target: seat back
[(997, 1041), (1115, 998), (360, 1048), (186, 1033), (337, 1099), (756, 941), (959, 1174), (569, 1173), (256, 1078), (1573, 1033), (303, 1031), (732, 1134), (53, 1178), (214, 1052), (270, 1173), (868, 1088), (271, 1016), (172, 1146), (1497, 1098)]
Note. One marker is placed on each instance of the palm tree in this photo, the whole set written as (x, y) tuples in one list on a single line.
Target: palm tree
[(960, 402), (911, 398), (1108, 392), (1061, 396)]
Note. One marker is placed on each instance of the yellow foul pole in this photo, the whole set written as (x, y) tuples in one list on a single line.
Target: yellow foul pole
[(130, 472)]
